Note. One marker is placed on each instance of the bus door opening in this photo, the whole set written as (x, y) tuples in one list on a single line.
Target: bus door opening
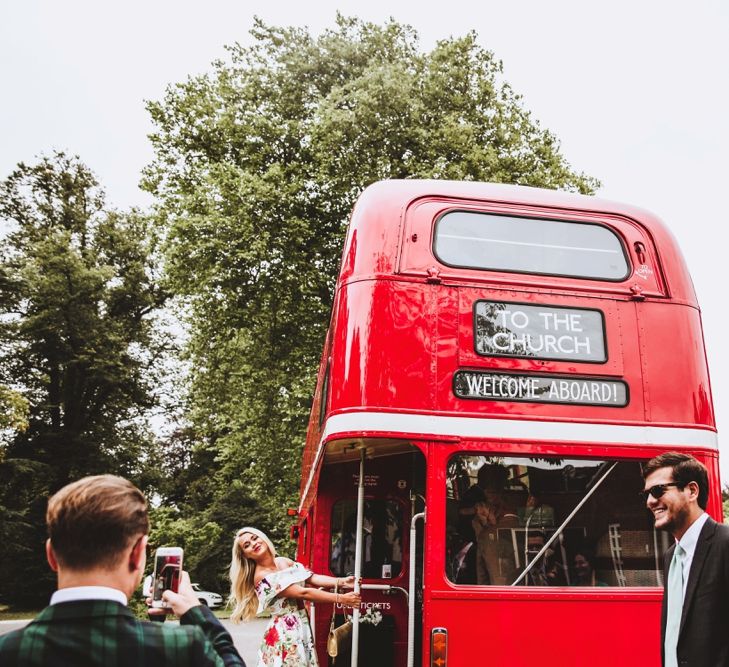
[(394, 486)]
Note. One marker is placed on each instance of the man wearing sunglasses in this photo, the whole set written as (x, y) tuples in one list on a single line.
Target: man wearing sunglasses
[(695, 615)]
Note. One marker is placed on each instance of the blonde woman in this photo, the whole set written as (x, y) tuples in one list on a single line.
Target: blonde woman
[(262, 581)]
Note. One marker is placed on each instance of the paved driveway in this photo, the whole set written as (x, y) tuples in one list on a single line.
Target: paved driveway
[(247, 638)]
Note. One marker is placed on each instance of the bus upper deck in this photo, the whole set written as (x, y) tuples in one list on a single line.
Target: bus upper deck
[(417, 338)]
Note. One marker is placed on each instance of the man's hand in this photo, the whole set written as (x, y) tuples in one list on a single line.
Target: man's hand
[(180, 602), (184, 599)]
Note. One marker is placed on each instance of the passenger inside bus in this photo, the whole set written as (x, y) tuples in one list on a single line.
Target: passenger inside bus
[(536, 513), (583, 565), (494, 563), (548, 570), (485, 507)]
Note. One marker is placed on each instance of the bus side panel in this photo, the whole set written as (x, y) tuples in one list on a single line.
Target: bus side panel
[(568, 633), (382, 348), (396, 346), (674, 364), (561, 626)]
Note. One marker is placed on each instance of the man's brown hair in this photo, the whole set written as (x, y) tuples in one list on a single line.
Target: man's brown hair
[(685, 469), (92, 521)]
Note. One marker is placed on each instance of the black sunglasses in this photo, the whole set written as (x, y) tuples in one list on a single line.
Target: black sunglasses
[(658, 490)]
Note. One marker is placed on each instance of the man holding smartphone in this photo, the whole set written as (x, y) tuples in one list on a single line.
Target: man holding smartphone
[(97, 544)]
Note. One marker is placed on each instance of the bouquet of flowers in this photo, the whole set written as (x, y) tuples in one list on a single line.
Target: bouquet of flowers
[(371, 616)]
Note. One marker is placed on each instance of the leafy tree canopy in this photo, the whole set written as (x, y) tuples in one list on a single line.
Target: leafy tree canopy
[(257, 165), (78, 294)]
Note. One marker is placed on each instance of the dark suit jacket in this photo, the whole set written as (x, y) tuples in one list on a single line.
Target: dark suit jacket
[(703, 639), (105, 633)]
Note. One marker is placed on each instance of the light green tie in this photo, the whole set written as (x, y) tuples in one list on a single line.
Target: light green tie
[(675, 606)]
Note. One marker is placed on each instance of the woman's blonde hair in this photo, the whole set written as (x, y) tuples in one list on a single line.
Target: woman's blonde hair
[(242, 589)]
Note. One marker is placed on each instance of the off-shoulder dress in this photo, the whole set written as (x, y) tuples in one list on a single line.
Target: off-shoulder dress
[(287, 641)]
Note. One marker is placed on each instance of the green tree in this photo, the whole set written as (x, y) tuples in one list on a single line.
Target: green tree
[(13, 405), (13, 410), (77, 335), (257, 165)]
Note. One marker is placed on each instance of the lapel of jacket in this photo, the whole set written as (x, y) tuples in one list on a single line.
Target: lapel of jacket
[(703, 546)]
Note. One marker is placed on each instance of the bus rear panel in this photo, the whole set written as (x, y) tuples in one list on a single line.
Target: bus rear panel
[(504, 360)]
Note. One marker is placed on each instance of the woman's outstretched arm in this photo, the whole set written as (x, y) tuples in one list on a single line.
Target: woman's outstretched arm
[(325, 581), (298, 592)]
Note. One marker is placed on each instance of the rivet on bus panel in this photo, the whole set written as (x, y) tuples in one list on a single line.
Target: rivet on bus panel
[(438, 647)]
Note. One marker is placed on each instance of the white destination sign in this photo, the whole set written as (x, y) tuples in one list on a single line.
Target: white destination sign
[(540, 388), (503, 329)]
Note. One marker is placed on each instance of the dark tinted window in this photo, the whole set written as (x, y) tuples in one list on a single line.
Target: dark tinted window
[(382, 546)]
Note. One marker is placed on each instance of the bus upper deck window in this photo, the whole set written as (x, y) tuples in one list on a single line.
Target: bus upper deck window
[(528, 245)]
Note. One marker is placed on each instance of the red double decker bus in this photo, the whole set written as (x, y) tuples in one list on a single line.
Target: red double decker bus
[(500, 363)]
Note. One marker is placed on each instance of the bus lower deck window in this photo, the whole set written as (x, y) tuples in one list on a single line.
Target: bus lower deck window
[(501, 511)]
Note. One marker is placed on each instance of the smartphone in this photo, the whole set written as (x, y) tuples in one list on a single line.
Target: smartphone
[(167, 570)]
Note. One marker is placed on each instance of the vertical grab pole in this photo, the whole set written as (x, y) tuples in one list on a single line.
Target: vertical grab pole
[(358, 557), (412, 597)]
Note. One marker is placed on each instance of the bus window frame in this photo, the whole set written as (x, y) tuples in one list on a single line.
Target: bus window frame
[(629, 268), (324, 395), (416, 257), (468, 357), (589, 458), (438, 456), (582, 307)]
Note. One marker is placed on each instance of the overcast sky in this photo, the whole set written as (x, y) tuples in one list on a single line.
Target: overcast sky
[(636, 90)]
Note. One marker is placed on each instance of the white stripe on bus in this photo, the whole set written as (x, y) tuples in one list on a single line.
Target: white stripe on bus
[(423, 426), (519, 429)]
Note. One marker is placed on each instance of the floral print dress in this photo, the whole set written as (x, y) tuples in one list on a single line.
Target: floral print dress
[(287, 641)]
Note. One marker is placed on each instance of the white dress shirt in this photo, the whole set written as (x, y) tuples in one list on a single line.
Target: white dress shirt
[(88, 593), (688, 543)]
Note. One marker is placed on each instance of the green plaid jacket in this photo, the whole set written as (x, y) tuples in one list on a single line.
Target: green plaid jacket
[(105, 633)]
